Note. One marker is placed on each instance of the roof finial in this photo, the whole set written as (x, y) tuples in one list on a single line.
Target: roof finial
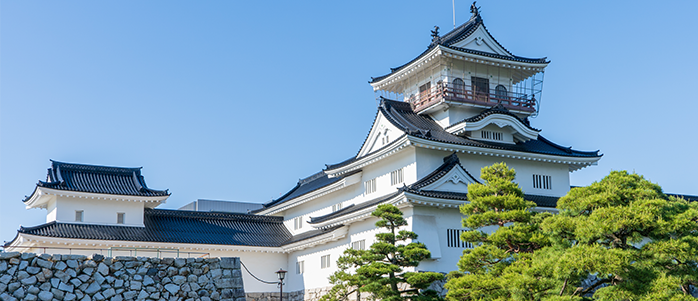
[(435, 34), (474, 10)]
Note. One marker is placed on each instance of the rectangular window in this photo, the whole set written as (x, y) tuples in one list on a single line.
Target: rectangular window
[(396, 176), (297, 223), (78, 215), (359, 245), (481, 88), (453, 239), (542, 182), (300, 267), (120, 217), (336, 207), (491, 135), (370, 186), (325, 261)]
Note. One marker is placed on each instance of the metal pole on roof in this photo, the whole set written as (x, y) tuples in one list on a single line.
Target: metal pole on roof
[(453, 4)]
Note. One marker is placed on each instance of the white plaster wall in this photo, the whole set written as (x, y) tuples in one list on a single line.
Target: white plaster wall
[(428, 160), (355, 194), (99, 211), (51, 210)]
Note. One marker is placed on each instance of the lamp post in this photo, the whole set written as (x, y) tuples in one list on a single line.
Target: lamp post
[(282, 274)]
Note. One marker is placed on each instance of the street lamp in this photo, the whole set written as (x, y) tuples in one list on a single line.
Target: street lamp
[(282, 274)]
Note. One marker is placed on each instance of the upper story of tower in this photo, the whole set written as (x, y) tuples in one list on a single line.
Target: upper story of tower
[(466, 71)]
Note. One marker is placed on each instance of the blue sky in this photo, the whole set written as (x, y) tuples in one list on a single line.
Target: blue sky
[(237, 100)]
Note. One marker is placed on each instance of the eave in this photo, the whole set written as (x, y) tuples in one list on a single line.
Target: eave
[(316, 240), (359, 215), (575, 163), (38, 199), (36, 241), (396, 146), (446, 51), (350, 180)]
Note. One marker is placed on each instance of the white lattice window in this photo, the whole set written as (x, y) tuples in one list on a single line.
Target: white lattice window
[(359, 245), (300, 267), (325, 261), (297, 223), (542, 182), (370, 186), (336, 207), (79, 215), (120, 218), (453, 239), (490, 135), (397, 176)]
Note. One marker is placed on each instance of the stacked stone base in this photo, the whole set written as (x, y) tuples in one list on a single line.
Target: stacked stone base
[(31, 277)]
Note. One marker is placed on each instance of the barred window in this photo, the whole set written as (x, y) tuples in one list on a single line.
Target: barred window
[(120, 218), (542, 182), (453, 239), (359, 245), (325, 261), (370, 186), (336, 207), (297, 223), (300, 267), (397, 176), (491, 135), (78, 215)]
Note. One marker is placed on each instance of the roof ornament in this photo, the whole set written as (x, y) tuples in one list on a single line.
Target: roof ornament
[(435, 34), (474, 9)]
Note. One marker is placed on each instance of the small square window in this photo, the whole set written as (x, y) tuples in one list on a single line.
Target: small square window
[(120, 218), (325, 261), (298, 223), (359, 245), (300, 267), (78, 215)]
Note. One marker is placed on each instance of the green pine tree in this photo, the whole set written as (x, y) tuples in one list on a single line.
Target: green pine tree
[(618, 239), (378, 272)]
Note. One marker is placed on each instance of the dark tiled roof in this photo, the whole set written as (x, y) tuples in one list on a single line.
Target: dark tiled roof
[(401, 115), (354, 208), (690, 198), (177, 226), (542, 200), (306, 185), (458, 34), (449, 163), (98, 179), (497, 109), (311, 234)]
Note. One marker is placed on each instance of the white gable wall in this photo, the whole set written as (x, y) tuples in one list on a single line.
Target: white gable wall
[(97, 211), (428, 160)]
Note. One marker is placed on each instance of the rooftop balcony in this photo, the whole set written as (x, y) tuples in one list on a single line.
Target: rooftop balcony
[(465, 94)]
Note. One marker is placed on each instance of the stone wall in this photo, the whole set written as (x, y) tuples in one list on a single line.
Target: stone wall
[(302, 295), (27, 276)]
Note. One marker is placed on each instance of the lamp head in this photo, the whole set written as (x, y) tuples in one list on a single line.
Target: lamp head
[(281, 273)]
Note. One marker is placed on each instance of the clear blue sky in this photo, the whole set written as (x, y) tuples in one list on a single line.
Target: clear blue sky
[(237, 100)]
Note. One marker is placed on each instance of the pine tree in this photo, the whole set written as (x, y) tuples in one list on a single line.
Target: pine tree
[(378, 272), (620, 238)]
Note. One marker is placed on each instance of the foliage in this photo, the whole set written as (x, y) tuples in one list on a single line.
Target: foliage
[(379, 270), (618, 239)]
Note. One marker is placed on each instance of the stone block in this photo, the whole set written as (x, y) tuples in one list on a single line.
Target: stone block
[(92, 288), (172, 288), (33, 270), (180, 262), (45, 296), (8, 255), (29, 281), (60, 265)]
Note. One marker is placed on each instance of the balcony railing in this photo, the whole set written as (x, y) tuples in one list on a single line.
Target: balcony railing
[(465, 94)]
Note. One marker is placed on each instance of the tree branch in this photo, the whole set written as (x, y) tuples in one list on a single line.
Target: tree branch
[(591, 288), (564, 286)]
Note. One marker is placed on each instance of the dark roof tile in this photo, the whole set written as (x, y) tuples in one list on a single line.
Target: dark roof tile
[(98, 179)]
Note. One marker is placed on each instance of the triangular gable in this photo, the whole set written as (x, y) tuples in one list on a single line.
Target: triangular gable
[(481, 40), (455, 180), (382, 133)]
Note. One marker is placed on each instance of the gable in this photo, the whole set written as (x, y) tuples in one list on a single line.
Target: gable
[(481, 40), (455, 180), (506, 124), (382, 132)]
